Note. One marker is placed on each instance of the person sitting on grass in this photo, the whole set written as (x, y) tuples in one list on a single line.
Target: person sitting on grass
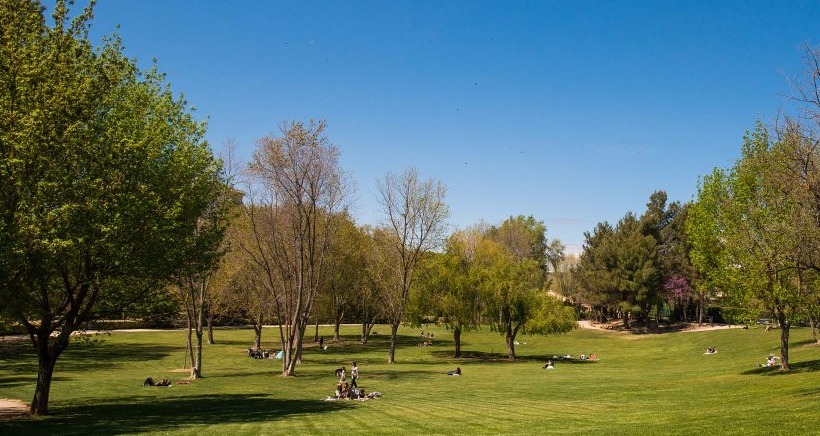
[(338, 392), (548, 365), (457, 371)]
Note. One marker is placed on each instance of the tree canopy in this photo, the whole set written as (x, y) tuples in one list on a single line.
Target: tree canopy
[(104, 174)]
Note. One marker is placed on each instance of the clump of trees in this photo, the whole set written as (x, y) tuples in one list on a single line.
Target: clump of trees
[(498, 275), (637, 267)]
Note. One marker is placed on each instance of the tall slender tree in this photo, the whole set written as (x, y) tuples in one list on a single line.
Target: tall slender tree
[(416, 221), (295, 192)]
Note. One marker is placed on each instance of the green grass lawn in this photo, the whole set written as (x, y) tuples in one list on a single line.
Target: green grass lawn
[(641, 384)]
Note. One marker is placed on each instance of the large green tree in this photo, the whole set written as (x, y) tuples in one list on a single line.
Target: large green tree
[(514, 282), (747, 235), (450, 284), (104, 175)]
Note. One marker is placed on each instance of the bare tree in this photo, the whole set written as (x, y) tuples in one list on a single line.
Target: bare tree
[(296, 189), (416, 220)]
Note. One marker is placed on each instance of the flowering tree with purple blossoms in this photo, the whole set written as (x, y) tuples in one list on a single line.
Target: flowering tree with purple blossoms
[(678, 291)]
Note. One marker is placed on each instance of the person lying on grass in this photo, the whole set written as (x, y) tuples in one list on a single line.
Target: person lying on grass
[(457, 371)]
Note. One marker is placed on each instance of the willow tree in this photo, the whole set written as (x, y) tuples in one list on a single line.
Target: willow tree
[(416, 219), (450, 285), (514, 282), (296, 190), (104, 175)]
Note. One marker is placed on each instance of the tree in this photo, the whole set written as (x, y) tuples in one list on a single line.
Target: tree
[(416, 215), (345, 278), (450, 285), (295, 192), (103, 178), (514, 281), (596, 270), (752, 222)]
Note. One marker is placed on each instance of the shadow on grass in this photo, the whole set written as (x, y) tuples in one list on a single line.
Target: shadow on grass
[(485, 357), (168, 414), (20, 355), (794, 368)]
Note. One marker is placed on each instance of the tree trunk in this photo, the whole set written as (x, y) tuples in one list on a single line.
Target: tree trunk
[(46, 359), (196, 368), (700, 312), (813, 322), (316, 335), (457, 340), (625, 317), (510, 334), (366, 328), (784, 340), (190, 343), (211, 328), (257, 333), (394, 328), (300, 339), (336, 323)]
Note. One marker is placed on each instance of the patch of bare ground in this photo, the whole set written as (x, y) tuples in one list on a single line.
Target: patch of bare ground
[(12, 409), (618, 326)]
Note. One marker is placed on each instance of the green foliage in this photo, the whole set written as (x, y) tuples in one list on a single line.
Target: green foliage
[(104, 174)]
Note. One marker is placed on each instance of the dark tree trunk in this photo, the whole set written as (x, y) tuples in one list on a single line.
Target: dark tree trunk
[(457, 340), (316, 335), (336, 323), (510, 334), (46, 359), (211, 328), (394, 328), (196, 368), (300, 339), (784, 340), (813, 322), (190, 344), (366, 328)]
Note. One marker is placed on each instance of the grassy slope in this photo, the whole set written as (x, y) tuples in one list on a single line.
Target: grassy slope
[(642, 384)]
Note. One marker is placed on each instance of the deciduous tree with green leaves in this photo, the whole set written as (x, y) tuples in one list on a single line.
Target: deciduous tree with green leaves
[(514, 270), (104, 176)]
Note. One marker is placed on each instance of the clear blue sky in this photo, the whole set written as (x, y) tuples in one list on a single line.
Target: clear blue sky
[(571, 111)]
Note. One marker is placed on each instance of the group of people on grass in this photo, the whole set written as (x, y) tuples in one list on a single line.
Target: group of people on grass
[(425, 340), (263, 354), (348, 391), (551, 365), (771, 361), (710, 350)]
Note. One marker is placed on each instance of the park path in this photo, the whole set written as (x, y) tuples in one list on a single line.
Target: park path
[(10, 409)]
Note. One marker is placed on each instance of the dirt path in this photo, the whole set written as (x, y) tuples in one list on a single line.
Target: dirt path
[(10, 409), (692, 327)]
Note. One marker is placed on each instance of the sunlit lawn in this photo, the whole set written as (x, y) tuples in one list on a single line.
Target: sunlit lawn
[(642, 384)]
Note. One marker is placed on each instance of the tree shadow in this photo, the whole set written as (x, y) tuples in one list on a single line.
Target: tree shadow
[(86, 357), (485, 357), (141, 415), (794, 368)]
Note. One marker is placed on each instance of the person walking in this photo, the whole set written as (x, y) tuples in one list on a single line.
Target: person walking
[(354, 375)]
